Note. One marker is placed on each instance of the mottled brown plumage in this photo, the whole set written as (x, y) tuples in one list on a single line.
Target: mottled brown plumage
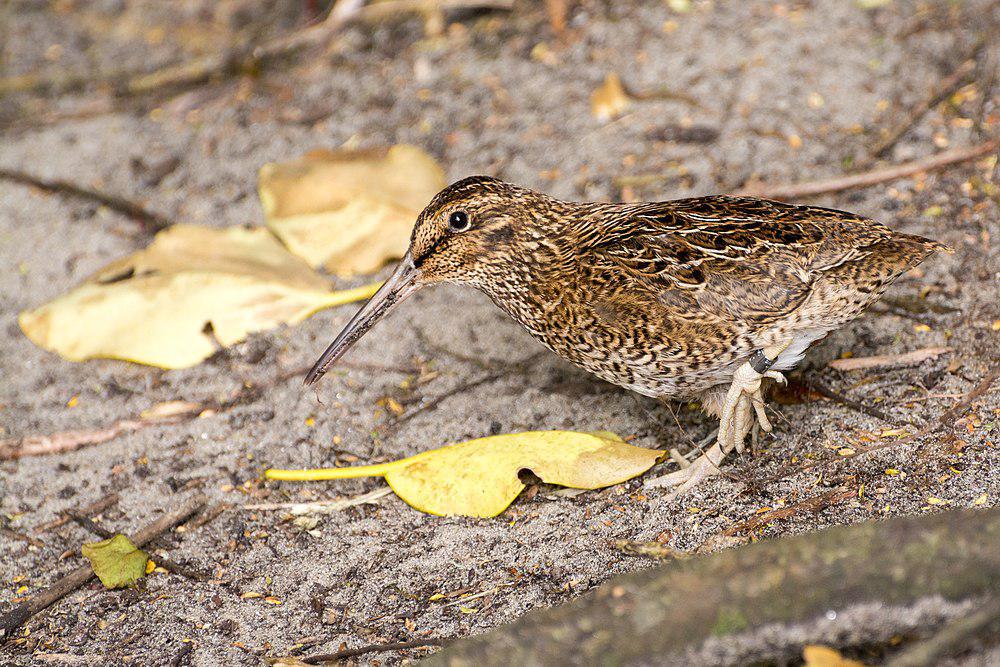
[(668, 299)]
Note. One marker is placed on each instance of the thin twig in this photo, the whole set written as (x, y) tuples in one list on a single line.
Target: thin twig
[(244, 58), (373, 648), (427, 406), (911, 358), (67, 441), (207, 516), (944, 420), (97, 507), (81, 575), (943, 91), (826, 392), (151, 222), (167, 563), (869, 178), (815, 505), (12, 534)]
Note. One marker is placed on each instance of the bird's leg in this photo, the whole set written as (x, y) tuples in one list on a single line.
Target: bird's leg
[(745, 395), (743, 401)]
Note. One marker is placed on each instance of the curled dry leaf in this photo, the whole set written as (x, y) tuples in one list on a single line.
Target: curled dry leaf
[(480, 477), (116, 561), (174, 303), (610, 100), (349, 211)]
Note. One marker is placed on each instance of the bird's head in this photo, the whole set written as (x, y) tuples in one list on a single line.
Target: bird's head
[(464, 235)]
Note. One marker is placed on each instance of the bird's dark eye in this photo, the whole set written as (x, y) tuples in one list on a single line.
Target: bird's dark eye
[(459, 221)]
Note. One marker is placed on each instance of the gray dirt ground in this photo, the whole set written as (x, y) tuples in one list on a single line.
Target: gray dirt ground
[(483, 98)]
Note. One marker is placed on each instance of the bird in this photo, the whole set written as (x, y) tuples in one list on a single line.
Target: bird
[(702, 299)]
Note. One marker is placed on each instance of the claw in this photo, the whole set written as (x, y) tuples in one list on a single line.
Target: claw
[(744, 401)]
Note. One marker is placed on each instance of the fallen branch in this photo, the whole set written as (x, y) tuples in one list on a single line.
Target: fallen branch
[(167, 563), (373, 648), (814, 505), (151, 222), (944, 420), (654, 550), (244, 58), (869, 178), (12, 534), (826, 392), (652, 617), (912, 358), (67, 441), (81, 575), (943, 91), (96, 507)]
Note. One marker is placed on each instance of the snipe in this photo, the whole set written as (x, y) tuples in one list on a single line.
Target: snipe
[(694, 298)]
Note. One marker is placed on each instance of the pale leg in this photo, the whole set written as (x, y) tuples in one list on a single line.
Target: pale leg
[(743, 401)]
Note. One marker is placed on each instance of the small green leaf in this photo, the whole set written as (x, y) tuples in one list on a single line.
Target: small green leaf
[(116, 561)]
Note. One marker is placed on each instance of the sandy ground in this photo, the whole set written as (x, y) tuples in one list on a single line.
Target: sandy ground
[(785, 92)]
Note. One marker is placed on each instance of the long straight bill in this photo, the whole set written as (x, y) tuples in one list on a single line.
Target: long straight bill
[(401, 284)]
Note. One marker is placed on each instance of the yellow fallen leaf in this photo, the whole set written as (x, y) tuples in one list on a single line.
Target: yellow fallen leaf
[(116, 561), (172, 304), (480, 477), (610, 100), (824, 656), (349, 211)]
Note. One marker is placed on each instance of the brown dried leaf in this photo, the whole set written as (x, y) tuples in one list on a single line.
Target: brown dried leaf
[(349, 211)]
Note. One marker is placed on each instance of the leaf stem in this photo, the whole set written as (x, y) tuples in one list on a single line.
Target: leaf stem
[(319, 474)]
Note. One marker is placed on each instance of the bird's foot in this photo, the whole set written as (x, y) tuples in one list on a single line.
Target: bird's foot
[(687, 478), (743, 400)]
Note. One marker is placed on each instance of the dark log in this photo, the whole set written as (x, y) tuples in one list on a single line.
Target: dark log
[(645, 617)]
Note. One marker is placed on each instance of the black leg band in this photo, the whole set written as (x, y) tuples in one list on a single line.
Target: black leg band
[(760, 363)]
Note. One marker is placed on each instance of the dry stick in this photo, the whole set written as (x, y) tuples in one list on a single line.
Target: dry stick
[(392, 426), (942, 421), (89, 524), (151, 222), (911, 358), (81, 575), (826, 392), (947, 87), (209, 515), (245, 58), (874, 177), (12, 534), (814, 505), (96, 507), (373, 648), (67, 441)]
